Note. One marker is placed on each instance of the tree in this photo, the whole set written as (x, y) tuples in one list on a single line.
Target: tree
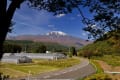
[(11, 48), (106, 17), (40, 49), (88, 54), (73, 51), (6, 13)]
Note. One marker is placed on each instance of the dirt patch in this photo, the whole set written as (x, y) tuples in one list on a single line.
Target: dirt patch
[(110, 68), (117, 69), (104, 66)]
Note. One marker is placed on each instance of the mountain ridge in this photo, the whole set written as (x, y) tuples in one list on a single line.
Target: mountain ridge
[(54, 37)]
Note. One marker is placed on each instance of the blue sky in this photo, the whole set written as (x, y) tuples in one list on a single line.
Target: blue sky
[(32, 21)]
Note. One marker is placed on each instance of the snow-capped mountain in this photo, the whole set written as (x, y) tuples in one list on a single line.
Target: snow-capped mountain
[(54, 37), (56, 33)]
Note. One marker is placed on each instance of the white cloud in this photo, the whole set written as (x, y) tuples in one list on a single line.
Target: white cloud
[(33, 23), (24, 28), (60, 15)]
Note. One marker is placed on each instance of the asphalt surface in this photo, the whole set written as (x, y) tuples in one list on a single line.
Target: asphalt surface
[(81, 70)]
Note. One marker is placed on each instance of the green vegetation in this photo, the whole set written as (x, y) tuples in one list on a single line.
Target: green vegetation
[(96, 66), (62, 63), (109, 46), (105, 49), (13, 48), (73, 51), (4, 77), (40, 49), (110, 59), (99, 77), (38, 66), (23, 70), (33, 47)]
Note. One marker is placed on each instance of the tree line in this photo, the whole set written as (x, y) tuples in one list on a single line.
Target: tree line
[(32, 47), (18, 46)]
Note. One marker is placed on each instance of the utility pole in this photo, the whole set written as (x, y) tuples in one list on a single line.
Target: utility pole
[(25, 48)]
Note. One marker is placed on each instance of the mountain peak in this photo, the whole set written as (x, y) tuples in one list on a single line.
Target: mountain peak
[(56, 33)]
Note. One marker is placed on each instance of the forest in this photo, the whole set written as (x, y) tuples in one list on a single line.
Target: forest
[(17, 46)]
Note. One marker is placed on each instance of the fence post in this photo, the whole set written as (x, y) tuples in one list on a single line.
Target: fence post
[(29, 75)]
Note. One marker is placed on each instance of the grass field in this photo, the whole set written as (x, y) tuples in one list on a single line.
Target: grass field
[(114, 64), (38, 66), (112, 60)]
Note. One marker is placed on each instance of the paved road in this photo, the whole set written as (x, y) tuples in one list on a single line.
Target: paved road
[(72, 73)]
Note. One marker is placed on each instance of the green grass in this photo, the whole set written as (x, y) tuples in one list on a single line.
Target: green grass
[(100, 75), (112, 60), (34, 68), (24, 69), (62, 63), (38, 66), (96, 66)]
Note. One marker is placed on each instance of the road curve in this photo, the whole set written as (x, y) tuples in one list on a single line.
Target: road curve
[(72, 73)]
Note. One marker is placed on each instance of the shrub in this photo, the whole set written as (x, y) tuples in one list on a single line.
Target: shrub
[(99, 77), (88, 54), (4, 77)]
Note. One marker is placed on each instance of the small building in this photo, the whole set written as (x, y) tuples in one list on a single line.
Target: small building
[(16, 59), (48, 52)]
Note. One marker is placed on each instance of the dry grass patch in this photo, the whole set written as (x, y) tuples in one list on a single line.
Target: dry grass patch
[(107, 67)]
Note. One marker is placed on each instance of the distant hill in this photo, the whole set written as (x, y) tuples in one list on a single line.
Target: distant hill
[(109, 44), (53, 37)]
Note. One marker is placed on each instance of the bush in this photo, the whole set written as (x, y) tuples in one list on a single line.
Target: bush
[(40, 49), (88, 54), (4, 77), (99, 77)]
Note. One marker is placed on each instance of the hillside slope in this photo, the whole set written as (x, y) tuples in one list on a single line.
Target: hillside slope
[(109, 45)]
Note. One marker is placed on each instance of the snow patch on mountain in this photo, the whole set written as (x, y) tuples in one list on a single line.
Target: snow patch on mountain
[(57, 33)]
